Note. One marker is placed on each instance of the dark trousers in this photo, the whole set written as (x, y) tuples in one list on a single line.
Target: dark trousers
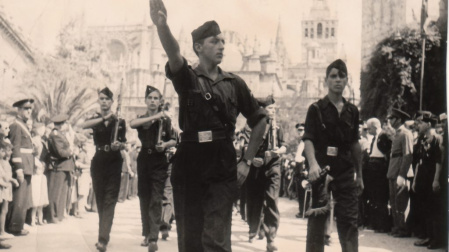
[(105, 170), (398, 203), (376, 194), (204, 189), (152, 172), (57, 194), (167, 203), (346, 212), (263, 185), (18, 208), (301, 192), (132, 192), (243, 201)]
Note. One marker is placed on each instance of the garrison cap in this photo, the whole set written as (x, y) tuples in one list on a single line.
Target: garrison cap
[(150, 89), (338, 64), (399, 114), (106, 91), (208, 29), (23, 103), (61, 118), (265, 102)]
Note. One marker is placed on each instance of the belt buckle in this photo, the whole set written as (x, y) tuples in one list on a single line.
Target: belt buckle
[(150, 151), (107, 148), (332, 151), (205, 136)]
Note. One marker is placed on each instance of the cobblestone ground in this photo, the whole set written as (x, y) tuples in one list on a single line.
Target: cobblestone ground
[(80, 235)]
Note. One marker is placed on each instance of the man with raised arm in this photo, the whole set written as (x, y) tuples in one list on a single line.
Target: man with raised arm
[(205, 173)]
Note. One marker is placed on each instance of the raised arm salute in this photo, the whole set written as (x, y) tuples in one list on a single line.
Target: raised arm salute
[(205, 174)]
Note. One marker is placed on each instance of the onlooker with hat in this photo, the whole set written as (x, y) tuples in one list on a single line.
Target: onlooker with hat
[(156, 135), (332, 139), (205, 171), (264, 179), (106, 165), (398, 167), (23, 165), (61, 166)]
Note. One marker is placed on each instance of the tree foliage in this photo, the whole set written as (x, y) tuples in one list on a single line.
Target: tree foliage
[(67, 82), (392, 78)]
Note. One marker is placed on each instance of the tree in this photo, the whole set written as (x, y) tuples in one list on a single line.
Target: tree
[(67, 82), (392, 78)]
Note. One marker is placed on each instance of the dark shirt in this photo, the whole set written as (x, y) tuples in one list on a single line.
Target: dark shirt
[(339, 131), (148, 134), (230, 91), (103, 135), (266, 145)]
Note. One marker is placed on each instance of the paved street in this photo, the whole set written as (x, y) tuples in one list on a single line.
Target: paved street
[(80, 235)]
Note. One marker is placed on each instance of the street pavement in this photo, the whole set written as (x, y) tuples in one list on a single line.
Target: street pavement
[(80, 235)]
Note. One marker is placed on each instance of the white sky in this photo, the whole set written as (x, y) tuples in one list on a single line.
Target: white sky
[(40, 20)]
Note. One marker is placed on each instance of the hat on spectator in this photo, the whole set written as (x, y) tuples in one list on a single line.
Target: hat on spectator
[(58, 119), (399, 114), (24, 103), (443, 116)]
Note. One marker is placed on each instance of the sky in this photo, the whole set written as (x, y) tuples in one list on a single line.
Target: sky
[(41, 20)]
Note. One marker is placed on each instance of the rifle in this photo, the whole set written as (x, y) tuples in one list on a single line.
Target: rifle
[(118, 112)]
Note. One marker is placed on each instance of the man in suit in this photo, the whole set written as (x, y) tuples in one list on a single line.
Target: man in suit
[(22, 163)]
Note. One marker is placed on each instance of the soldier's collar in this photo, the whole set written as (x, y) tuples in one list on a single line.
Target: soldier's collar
[(221, 74), (325, 101)]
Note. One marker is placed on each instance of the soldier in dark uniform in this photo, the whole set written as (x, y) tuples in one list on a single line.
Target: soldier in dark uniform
[(156, 135), (23, 164), (106, 166), (264, 181), (61, 166), (205, 173), (331, 139)]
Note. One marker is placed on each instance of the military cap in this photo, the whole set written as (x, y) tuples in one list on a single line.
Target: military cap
[(61, 118), (338, 64), (421, 115), (23, 103), (265, 102), (399, 114), (208, 29), (443, 116), (150, 89), (106, 91)]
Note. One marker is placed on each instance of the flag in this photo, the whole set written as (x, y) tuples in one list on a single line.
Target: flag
[(424, 15)]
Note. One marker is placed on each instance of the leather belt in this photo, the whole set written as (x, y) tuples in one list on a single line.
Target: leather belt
[(395, 155), (105, 148), (150, 151), (204, 136)]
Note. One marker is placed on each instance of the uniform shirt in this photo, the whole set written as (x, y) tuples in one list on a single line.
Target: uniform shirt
[(339, 131), (103, 135), (148, 134), (230, 91), (22, 152), (266, 144), (401, 147), (60, 152)]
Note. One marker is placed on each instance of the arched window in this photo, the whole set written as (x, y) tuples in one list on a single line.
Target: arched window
[(311, 32), (319, 30), (327, 32), (332, 32), (306, 33)]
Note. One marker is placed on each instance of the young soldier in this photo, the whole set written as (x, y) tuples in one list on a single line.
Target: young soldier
[(152, 164), (106, 166), (264, 180), (23, 165), (61, 165), (331, 139), (205, 173)]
